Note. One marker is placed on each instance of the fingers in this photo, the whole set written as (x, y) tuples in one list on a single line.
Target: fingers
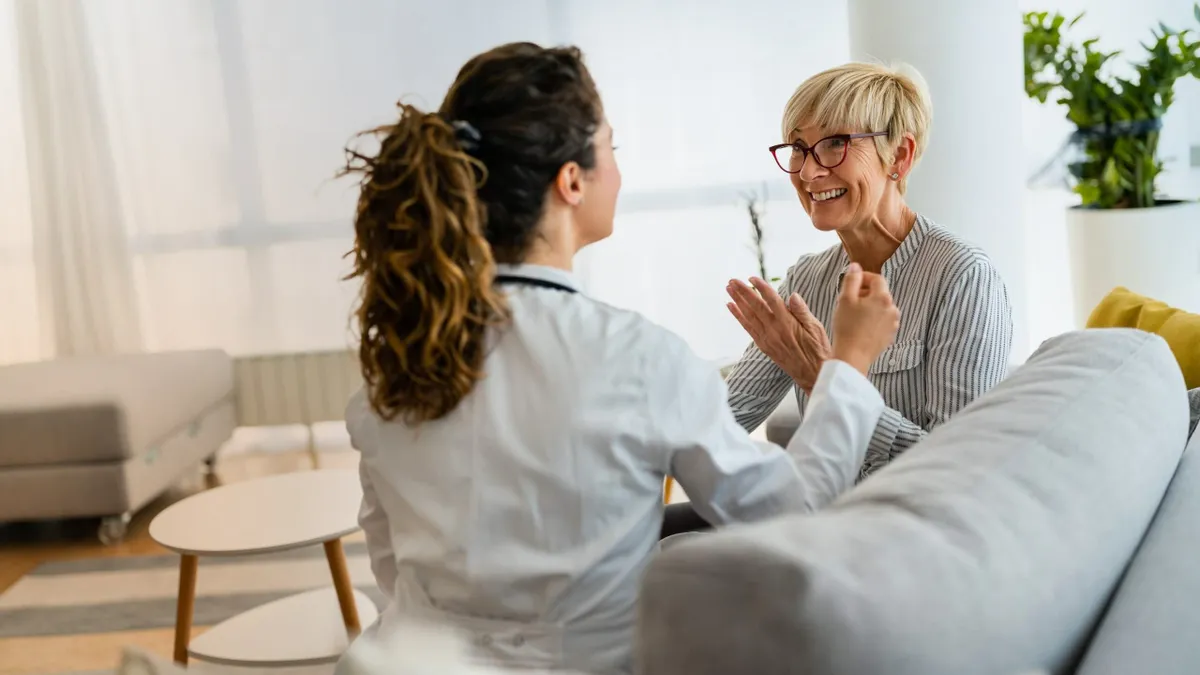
[(798, 308), (746, 298), (875, 284), (872, 288), (760, 306), (737, 314), (852, 283), (753, 312), (752, 324), (768, 294)]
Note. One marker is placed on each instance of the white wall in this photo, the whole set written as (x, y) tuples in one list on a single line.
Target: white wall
[(226, 146), (695, 92), (229, 118), (969, 180)]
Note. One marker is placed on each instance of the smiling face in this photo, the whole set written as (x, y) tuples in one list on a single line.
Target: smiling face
[(848, 195), (858, 98)]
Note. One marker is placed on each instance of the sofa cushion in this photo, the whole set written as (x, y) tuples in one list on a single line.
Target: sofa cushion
[(1122, 308), (1152, 624), (783, 422), (990, 547), (109, 408)]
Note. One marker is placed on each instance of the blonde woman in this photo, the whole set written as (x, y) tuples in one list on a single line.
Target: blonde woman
[(852, 135)]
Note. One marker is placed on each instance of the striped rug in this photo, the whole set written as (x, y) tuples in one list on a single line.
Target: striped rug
[(76, 616)]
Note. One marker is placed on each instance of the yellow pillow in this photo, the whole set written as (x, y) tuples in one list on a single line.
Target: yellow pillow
[(1122, 308)]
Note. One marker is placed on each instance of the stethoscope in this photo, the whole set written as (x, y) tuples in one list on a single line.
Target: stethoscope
[(531, 281)]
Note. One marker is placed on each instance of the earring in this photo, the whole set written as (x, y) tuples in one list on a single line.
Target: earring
[(895, 176)]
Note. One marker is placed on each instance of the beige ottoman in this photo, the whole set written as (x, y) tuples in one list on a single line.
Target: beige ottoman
[(102, 436)]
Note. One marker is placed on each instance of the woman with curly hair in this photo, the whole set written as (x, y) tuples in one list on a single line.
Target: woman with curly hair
[(514, 433)]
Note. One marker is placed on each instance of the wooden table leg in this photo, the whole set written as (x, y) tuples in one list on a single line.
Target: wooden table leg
[(185, 607), (341, 583)]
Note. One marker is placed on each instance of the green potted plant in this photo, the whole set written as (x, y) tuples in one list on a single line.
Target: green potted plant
[(1124, 232)]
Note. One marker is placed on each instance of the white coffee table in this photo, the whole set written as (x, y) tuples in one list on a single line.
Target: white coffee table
[(271, 514)]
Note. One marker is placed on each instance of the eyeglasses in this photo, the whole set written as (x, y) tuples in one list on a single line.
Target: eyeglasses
[(829, 152)]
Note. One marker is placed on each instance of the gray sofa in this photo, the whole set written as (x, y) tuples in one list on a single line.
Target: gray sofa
[(102, 436), (1049, 527)]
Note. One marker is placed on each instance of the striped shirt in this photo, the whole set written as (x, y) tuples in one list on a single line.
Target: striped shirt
[(953, 345)]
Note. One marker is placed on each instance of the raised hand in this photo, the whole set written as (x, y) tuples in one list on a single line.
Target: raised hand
[(788, 333)]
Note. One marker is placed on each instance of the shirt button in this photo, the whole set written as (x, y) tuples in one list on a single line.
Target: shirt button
[(891, 362), (518, 641), (486, 640)]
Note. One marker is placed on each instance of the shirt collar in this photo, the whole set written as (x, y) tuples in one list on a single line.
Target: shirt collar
[(541, 272), (899, 259)]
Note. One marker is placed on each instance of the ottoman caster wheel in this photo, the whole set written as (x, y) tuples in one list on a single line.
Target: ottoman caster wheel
[(113, 529)]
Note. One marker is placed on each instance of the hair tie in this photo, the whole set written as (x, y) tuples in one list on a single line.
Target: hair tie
[(467, 135)]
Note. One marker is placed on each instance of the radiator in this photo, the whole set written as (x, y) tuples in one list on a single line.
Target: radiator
[(302, 388)]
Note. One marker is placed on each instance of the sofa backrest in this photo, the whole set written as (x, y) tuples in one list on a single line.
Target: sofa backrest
[(1153, 623), (991, 547)]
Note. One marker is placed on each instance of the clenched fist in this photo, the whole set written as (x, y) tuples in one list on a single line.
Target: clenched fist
[(866, 319)]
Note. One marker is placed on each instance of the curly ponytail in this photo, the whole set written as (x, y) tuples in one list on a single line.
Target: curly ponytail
[(438, 210), (427, 269)]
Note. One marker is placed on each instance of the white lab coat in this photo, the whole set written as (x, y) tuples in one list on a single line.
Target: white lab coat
[(526, 516)]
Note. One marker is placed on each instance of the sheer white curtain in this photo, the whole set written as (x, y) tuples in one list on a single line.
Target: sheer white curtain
[(233, 116), (20, 330), (82, 267), (227, 119)]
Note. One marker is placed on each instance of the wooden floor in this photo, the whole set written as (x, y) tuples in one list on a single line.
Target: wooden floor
[(25, 546)]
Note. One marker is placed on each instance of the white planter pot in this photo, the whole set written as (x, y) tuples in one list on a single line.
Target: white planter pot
[(1154, 252)]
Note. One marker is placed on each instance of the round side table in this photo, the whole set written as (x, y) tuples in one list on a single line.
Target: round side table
[(276, 513)]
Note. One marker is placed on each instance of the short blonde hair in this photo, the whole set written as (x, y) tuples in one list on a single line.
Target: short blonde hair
[(865, 97)]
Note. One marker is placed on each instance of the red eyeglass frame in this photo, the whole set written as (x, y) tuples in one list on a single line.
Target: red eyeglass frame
[(806, 150)]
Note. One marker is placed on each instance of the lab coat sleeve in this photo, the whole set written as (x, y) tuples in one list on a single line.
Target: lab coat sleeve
[(374, 523), (371, 516), (730, 477)]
